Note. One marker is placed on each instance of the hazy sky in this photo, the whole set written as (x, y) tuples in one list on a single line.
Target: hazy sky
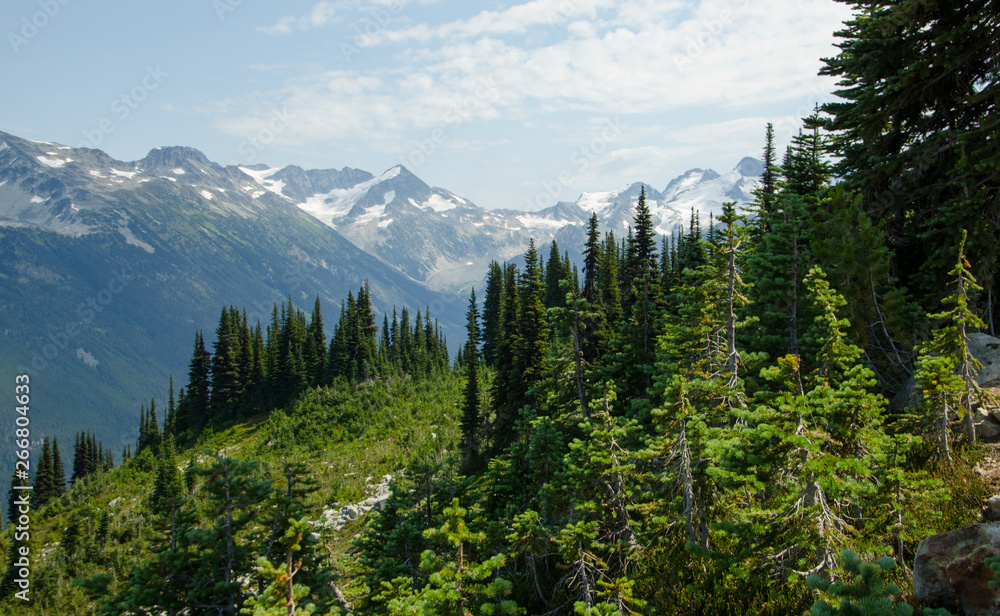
[(509, 104)]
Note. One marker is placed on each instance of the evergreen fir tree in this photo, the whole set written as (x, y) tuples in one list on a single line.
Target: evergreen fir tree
[(946, 368), (914, 123), (225, 368), (194, 413), (316, 347), (471, 416), (44, 488), (610, 294), (58, 471)]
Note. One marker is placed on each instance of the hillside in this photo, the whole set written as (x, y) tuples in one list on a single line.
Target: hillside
[(107, 268), (347, 437)]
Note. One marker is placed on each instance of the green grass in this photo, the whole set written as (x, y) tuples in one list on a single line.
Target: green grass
[(348, 436)]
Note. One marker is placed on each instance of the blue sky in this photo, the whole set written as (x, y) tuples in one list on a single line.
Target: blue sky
[(510, 104)]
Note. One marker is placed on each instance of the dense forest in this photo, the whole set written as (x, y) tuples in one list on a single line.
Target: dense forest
[(691, 424)]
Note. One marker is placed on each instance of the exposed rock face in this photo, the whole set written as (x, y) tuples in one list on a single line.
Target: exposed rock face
[(949, 570), (991, 512), (988, 429), (986, 349), (335, 519)]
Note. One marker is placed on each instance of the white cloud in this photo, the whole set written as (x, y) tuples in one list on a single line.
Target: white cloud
[(514, 20), (320, 15), (732, 64)]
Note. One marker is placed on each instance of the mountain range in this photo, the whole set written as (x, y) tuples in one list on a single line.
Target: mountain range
[(107, 267), (447, 242)]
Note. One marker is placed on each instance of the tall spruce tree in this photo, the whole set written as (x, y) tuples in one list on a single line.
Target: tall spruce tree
[(946, 368), (914, 120), (471, 416), (194, 413), (58, 471), (44, 481)]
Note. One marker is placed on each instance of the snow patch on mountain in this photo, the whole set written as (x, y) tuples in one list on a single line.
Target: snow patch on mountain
[(597, 202), (261, 177), (53, 162), (332, 206), (438, 203)]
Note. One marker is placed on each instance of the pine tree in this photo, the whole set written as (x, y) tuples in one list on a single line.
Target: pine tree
[(44, 480), (592, 257), (633, 357), (492, 302), (532, 327), (766, 193), (58, 471), (864, 590), (316, 347), (170, 421), (946, 368), (154, 426), (555, 272), (471, 417), (610, 294), (457, 583), (507, 381), (225, 368), (914, 126), (11, 511), (194, 413)]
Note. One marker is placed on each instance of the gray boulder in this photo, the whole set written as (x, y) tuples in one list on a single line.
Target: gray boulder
[(983, 347), (950, 570)]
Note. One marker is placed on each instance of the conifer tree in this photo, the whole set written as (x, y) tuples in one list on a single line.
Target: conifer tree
[(914, 118), (555, 272), (470, 421), (316, 346), (592, 257), (79, 458), (946, 368), (154, 426), (766, 192), (864, 590), (492, 301), (58, 471), (225, 367), (44, 481), (634, 354), (194, 413), (458, 584), (10, 511), (610, 294), (169, 422), (505, 384), (532, 327)]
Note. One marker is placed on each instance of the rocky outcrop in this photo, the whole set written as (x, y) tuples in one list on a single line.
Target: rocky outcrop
[(986, 349), (950, 570), (335, 518)]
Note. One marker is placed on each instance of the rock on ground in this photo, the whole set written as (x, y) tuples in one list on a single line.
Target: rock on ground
[(950, 570)]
